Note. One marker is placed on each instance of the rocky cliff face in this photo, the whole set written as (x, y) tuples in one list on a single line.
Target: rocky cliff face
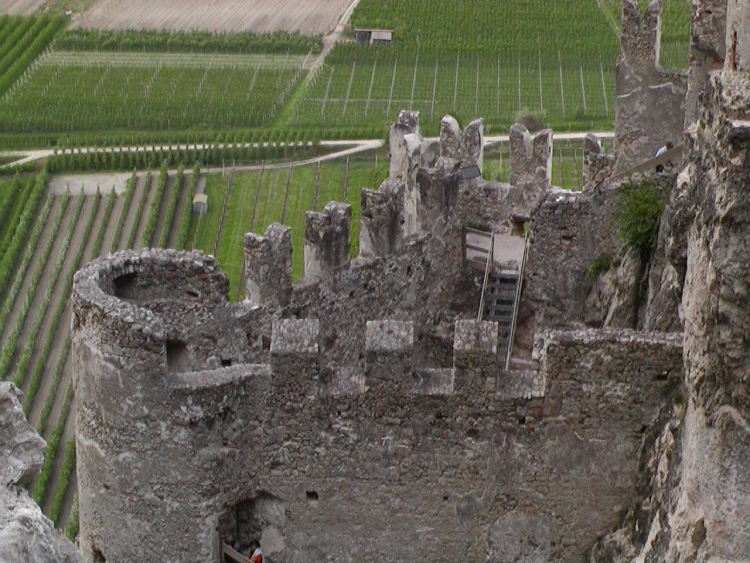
[(697, 493), (26, 535)]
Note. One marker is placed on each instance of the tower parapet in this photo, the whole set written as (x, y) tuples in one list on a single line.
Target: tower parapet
[(406, 123), (650, 101), (327, 240), (465, 146), (268, 266), (598, 166)]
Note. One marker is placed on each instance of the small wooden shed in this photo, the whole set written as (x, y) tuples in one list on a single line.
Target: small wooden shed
[(373, 36), (200, 204)]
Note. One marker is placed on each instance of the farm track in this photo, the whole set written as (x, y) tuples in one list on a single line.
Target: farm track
[(63, 328), (169, 186), (66, 379), (174, 228), (309, 17), (58, 294), (132, 213), (177, 60), (18, 305), (150, 197), (48, 268), (112, 227)]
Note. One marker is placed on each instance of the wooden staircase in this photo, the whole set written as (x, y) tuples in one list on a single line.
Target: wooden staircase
[(502, 259), (500, 306)]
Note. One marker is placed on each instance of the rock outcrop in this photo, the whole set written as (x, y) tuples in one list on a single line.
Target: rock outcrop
[(26, 535)]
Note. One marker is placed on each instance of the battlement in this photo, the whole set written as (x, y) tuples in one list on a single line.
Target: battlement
[(206, 404)]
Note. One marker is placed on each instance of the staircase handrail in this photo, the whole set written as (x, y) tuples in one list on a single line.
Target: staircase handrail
[(672, 154), (227, 551), (517, 300), (490, 257)]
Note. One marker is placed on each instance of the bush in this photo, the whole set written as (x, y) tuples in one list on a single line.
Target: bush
[(601, 264), (637, 221)]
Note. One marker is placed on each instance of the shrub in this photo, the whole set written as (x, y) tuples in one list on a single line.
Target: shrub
[(601, 264), (637, 221)]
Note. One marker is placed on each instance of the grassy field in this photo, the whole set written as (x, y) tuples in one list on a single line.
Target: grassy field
[(256, 199), (75, 92), (497, 61)]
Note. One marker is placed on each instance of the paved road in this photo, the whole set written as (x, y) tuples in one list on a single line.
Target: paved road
[(353, 147)]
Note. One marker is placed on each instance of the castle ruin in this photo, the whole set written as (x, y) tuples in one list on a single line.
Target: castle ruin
[(403, 404)]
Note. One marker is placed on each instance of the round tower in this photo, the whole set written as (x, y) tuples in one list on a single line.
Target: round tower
[(151, 381)]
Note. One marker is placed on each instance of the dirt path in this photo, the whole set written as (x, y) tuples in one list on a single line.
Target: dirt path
[(59, 294), (63, 328), (150, 197), (89, 183), (174, 228), (66, 378), (168, 187), (330, 40), (114, 220), (44, 281), (132, 213), (18, 305)]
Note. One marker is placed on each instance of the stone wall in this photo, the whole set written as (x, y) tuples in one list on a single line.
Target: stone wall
[(650, 101), (379, 458)]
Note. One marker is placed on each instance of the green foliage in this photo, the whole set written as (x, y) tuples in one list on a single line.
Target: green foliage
[(675, 34), (27, 38), (70, 96), (49, 402), (13, 295), (23, 226), (139, 213), (637, 221), (187, 210), (256, 200), (53, 442), (129, 193), (19, 375), (153, 216), (601, 264), (71, 526), (245, 42), (68, 466), (171, 206), (486, 26)]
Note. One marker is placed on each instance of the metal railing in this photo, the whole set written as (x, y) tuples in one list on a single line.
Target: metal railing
[(490, 255), (517, 301)]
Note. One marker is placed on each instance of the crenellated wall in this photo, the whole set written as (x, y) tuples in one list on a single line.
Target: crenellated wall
[(172, 451), (650, 101)]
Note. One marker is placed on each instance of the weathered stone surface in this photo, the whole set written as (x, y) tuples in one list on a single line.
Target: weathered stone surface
[(268, 266), (650, 101), (597, 166), (327, 240), (26, 535), (21, 448), (406, 123)]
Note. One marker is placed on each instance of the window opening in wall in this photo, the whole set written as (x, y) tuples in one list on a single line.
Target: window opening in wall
[(252, 519), (311, 495), (125, 286), (225, 363), (178, 357)]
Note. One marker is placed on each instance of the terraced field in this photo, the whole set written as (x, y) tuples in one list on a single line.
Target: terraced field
[(46, 238)]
